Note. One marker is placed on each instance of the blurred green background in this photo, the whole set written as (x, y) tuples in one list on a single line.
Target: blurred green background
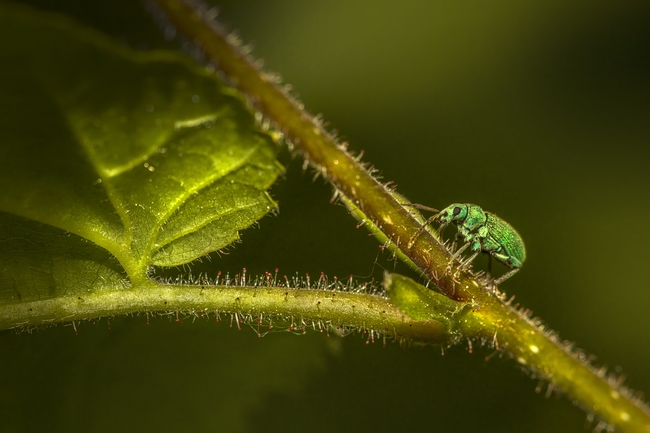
[(538, 111)]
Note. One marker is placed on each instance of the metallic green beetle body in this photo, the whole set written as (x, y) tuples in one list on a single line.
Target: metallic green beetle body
[(486, 232), (483, 231)]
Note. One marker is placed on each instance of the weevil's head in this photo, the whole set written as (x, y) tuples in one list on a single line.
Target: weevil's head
[(456, 213)]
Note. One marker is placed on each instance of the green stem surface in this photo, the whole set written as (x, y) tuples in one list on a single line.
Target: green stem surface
[(328, 308)]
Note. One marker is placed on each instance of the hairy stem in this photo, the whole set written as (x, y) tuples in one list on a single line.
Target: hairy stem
[(321, 309), (497, 322)]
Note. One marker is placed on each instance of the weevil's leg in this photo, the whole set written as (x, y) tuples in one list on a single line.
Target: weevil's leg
[(421, 229), (460, 251), (440, 231), (479, 274), (429, 221), (467, 262), (489, 269), (476, 248), (505, 276), (416, 234), (454, 244), (455, 256)]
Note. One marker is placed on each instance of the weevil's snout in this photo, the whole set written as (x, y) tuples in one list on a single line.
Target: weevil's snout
[(443, 217)]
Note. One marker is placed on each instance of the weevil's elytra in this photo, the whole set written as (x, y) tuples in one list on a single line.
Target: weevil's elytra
[(483, 232)]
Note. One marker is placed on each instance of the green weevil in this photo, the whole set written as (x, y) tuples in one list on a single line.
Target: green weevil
[(484, 232)]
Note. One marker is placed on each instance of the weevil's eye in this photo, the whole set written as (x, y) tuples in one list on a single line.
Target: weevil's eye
[(456, 211)]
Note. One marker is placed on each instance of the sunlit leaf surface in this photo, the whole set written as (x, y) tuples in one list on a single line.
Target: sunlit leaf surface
[(113, 160)]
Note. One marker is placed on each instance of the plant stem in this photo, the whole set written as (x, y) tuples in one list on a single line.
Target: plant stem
[(322, 309), (496, 321)]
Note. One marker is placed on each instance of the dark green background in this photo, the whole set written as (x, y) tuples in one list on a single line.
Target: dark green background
[(538, 111)]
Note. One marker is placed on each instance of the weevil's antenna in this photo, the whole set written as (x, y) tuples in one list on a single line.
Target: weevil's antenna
[(421, 207)]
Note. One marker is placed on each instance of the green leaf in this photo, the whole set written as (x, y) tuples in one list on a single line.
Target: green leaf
[(113, 160), (421, 303)]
